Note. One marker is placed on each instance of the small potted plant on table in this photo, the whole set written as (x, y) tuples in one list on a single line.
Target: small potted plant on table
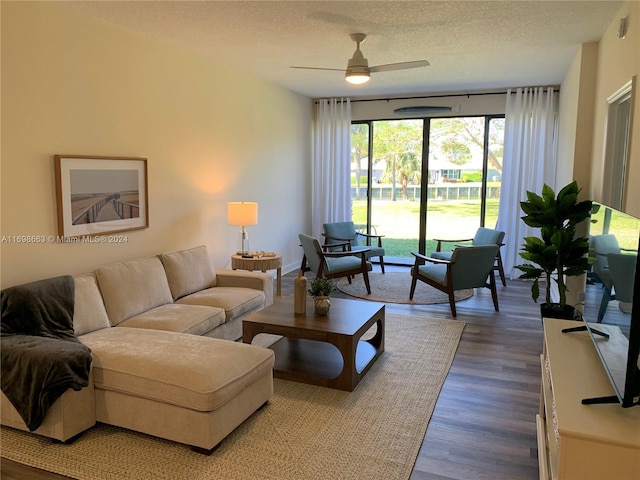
[(321, 288), (558, 252)]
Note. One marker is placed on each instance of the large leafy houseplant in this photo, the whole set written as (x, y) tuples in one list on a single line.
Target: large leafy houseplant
[(557, 253)]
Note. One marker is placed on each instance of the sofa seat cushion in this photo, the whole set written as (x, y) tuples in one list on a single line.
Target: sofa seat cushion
[(193, 319), (198, 373), (235, 301)]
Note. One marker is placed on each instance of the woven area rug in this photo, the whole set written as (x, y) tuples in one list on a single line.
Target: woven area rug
[(305, 432), (394, 287)]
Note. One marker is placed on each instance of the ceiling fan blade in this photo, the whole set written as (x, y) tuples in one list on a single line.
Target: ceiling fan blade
[(399, 66), (320, 68)]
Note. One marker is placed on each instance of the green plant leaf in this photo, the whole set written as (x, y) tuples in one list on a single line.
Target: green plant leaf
[(535, 290), (321, 286)]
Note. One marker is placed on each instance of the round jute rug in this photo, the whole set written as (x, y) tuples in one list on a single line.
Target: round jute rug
[(394, 287)]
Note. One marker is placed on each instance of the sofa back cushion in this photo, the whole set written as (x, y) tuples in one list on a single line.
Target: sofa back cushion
[(188, 271), (89, 313), (133, 287)]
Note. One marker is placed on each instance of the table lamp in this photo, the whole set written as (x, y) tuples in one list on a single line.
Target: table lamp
[(242, 214)]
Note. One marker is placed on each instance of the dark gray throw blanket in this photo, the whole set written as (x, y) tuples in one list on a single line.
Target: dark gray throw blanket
[(41, 357)]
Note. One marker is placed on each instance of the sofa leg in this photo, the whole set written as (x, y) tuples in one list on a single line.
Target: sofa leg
[(209, 451), (69, 440), (206, 451)]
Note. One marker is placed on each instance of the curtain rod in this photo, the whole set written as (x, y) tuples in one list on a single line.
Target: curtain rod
[(427, 96), (479, 94)]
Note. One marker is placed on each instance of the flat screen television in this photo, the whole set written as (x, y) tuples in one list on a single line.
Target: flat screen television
[(614, 325)]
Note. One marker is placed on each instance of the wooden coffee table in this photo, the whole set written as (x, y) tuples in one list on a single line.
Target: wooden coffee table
[(327, 351)]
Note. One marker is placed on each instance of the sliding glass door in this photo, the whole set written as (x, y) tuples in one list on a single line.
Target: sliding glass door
[(417, 180)]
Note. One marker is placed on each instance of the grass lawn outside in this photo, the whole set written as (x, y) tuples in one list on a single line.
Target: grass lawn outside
[(626, 227), (398, 221)]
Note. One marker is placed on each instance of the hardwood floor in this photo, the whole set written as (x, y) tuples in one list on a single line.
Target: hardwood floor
[(483, 425)]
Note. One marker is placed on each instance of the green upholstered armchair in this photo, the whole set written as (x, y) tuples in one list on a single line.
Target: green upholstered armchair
[(622, 268), (622, 271), (337, 233), (603, 246), (334, 264), (469, 267), (483, 236)]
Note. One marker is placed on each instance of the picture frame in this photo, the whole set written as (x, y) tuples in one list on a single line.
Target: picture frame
[(99, 195)]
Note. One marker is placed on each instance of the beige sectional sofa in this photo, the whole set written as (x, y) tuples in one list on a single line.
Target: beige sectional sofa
[(156, 369)]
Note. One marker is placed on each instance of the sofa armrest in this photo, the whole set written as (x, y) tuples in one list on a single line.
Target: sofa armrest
[(242, 278)]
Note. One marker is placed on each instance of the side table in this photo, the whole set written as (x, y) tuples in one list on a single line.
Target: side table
[(260, 263)]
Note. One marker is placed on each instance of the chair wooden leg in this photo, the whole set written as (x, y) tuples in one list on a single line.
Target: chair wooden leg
[(604, 303), (365, 274), (382, 263), (452, 302), (450, 291), (494, 291), (500, 269), (414, 281)]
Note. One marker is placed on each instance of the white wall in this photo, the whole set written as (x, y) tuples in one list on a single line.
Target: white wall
[(74, 85), (618, 61), (576, 118)]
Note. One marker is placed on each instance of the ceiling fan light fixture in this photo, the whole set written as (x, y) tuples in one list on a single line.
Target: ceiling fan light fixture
[(356, 77), (358, 70)]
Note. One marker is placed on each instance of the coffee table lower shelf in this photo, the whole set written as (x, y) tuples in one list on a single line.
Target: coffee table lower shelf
[(317, 363)]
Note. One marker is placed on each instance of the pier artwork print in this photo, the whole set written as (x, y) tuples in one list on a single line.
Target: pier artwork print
[(103, 195), (100, 195)]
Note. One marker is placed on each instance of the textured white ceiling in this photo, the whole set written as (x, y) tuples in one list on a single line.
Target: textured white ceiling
[(471, 45)]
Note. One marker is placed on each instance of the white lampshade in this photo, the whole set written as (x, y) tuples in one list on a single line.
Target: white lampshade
[(242, 213)]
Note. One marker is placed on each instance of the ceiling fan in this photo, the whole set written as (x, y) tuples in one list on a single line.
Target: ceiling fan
[(358, 70)]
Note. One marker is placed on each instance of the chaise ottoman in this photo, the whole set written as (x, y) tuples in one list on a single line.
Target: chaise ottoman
[(186, 388)]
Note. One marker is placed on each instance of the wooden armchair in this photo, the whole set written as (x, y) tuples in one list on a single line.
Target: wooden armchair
[(604, 246), (483, 236), (469, 267), (337, 233), (334, 264)]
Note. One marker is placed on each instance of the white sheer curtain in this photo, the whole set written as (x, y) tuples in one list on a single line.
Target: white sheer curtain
[(529, 161), (331, 164)]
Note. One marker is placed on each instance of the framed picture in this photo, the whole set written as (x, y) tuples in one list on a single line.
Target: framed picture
[(101, 195)]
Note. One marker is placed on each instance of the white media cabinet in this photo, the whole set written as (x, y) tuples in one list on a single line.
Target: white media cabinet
[(576, 441)]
